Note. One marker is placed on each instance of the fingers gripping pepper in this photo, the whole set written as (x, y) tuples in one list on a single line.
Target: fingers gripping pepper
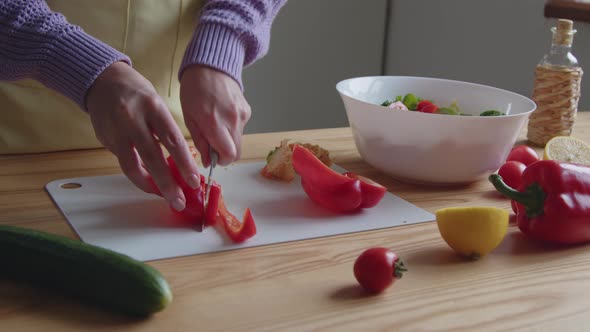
[(553, 201)]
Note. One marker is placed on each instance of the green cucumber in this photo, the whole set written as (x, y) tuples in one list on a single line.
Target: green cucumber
[(99, 276)]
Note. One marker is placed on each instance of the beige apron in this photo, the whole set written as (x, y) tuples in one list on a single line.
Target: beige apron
[(153, 33)]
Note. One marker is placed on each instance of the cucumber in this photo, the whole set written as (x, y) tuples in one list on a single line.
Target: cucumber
[(95, 275)]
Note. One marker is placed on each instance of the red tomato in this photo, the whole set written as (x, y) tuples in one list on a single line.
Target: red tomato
[(511, 173), (422, 104), (429, 108), (377, 268), (523, 153)]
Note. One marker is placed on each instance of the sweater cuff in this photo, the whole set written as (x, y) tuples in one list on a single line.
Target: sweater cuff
[(218, 47), (74, 61)]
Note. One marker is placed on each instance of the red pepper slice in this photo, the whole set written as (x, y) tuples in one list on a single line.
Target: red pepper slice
[(345, 192), (372, 192), (195, 198), (345, 198), (315, 172), (195, 207), (237, 231), (213, 204)]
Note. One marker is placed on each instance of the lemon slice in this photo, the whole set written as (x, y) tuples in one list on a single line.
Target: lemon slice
[(472, 231), (567, 149)]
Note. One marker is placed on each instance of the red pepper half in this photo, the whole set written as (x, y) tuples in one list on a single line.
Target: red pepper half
[(372, 192), (553, 203), (346, 192), (344, 198), (237, 231)]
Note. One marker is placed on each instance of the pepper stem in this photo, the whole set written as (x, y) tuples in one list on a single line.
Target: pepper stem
[(399, 268), (533, 197)]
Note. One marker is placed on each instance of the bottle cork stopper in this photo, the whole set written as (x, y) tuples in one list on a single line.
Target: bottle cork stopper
[(563, 34), (564, 25)]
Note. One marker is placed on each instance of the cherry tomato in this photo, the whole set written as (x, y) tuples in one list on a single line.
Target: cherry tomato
[(511, 173), (523, 153), (377, 268), (429, 108), (426, 106), (422, 104)]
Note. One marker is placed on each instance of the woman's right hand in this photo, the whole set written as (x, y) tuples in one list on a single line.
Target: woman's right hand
[(130, 119)]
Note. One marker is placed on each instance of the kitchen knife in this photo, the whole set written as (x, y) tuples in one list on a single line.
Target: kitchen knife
[(212, 164)]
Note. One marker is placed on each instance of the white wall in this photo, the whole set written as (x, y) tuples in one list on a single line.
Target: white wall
[(495, 42), (314, 44)]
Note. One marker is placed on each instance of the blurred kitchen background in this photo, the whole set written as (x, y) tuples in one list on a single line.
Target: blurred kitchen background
[(317, 43)]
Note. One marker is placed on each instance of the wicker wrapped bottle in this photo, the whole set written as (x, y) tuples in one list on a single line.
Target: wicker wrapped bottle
[(558, 78)]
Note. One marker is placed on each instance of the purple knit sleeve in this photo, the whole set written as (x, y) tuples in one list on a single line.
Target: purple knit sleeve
[(231, 34), (39, 44)]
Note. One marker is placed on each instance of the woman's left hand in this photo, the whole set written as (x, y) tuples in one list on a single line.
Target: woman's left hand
[(215, 112)]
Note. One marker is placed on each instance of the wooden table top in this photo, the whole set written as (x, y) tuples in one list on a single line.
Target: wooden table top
[(309, 285), (577, 10)]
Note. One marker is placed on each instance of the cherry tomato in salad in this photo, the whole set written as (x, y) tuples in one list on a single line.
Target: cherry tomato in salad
[(511, 173), (377, 268), (426, 106), (423, 104), (524, 154), (429, 108)]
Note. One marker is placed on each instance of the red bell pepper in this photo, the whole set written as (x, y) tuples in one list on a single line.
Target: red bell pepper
[(553, 201), (346, 192), (195, 208), (372, 192), (213, 204), (195, 198), (237, 231), (344, 198)]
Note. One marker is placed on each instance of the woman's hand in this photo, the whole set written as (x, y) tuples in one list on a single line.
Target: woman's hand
[(131, 120), (215, 112)]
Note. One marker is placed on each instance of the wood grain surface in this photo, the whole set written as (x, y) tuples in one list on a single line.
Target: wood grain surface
[(577, 10), (309, 285)]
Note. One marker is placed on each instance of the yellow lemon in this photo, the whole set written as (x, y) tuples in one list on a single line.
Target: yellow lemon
[(568, 149), (472, 231)]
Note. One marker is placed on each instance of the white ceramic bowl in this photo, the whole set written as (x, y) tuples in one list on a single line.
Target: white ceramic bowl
[(433, 148)]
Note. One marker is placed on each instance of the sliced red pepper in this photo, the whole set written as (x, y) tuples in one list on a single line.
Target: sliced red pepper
[(345, 192), (195, 207), (372, 192), (213, 204), (195, 198), (237, 231), (307, 165), (346, 198)]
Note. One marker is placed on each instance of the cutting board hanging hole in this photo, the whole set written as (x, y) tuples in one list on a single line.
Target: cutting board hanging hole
[(70, 185)]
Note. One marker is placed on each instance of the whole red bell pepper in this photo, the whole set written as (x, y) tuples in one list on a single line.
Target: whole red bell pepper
[(552, 202), (346, 192)]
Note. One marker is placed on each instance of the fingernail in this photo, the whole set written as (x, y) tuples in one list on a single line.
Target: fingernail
[(178, 204), (193, 181)]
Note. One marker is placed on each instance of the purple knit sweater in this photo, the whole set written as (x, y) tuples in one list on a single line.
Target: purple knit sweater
[(39, 44)]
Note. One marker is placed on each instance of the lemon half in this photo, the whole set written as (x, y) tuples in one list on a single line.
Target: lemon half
[(472, 231), (567, 149)]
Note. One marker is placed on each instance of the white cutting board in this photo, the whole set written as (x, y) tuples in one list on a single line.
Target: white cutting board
[(110, 212)]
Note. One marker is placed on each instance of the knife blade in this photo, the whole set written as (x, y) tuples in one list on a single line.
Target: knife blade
[(212, 164)]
